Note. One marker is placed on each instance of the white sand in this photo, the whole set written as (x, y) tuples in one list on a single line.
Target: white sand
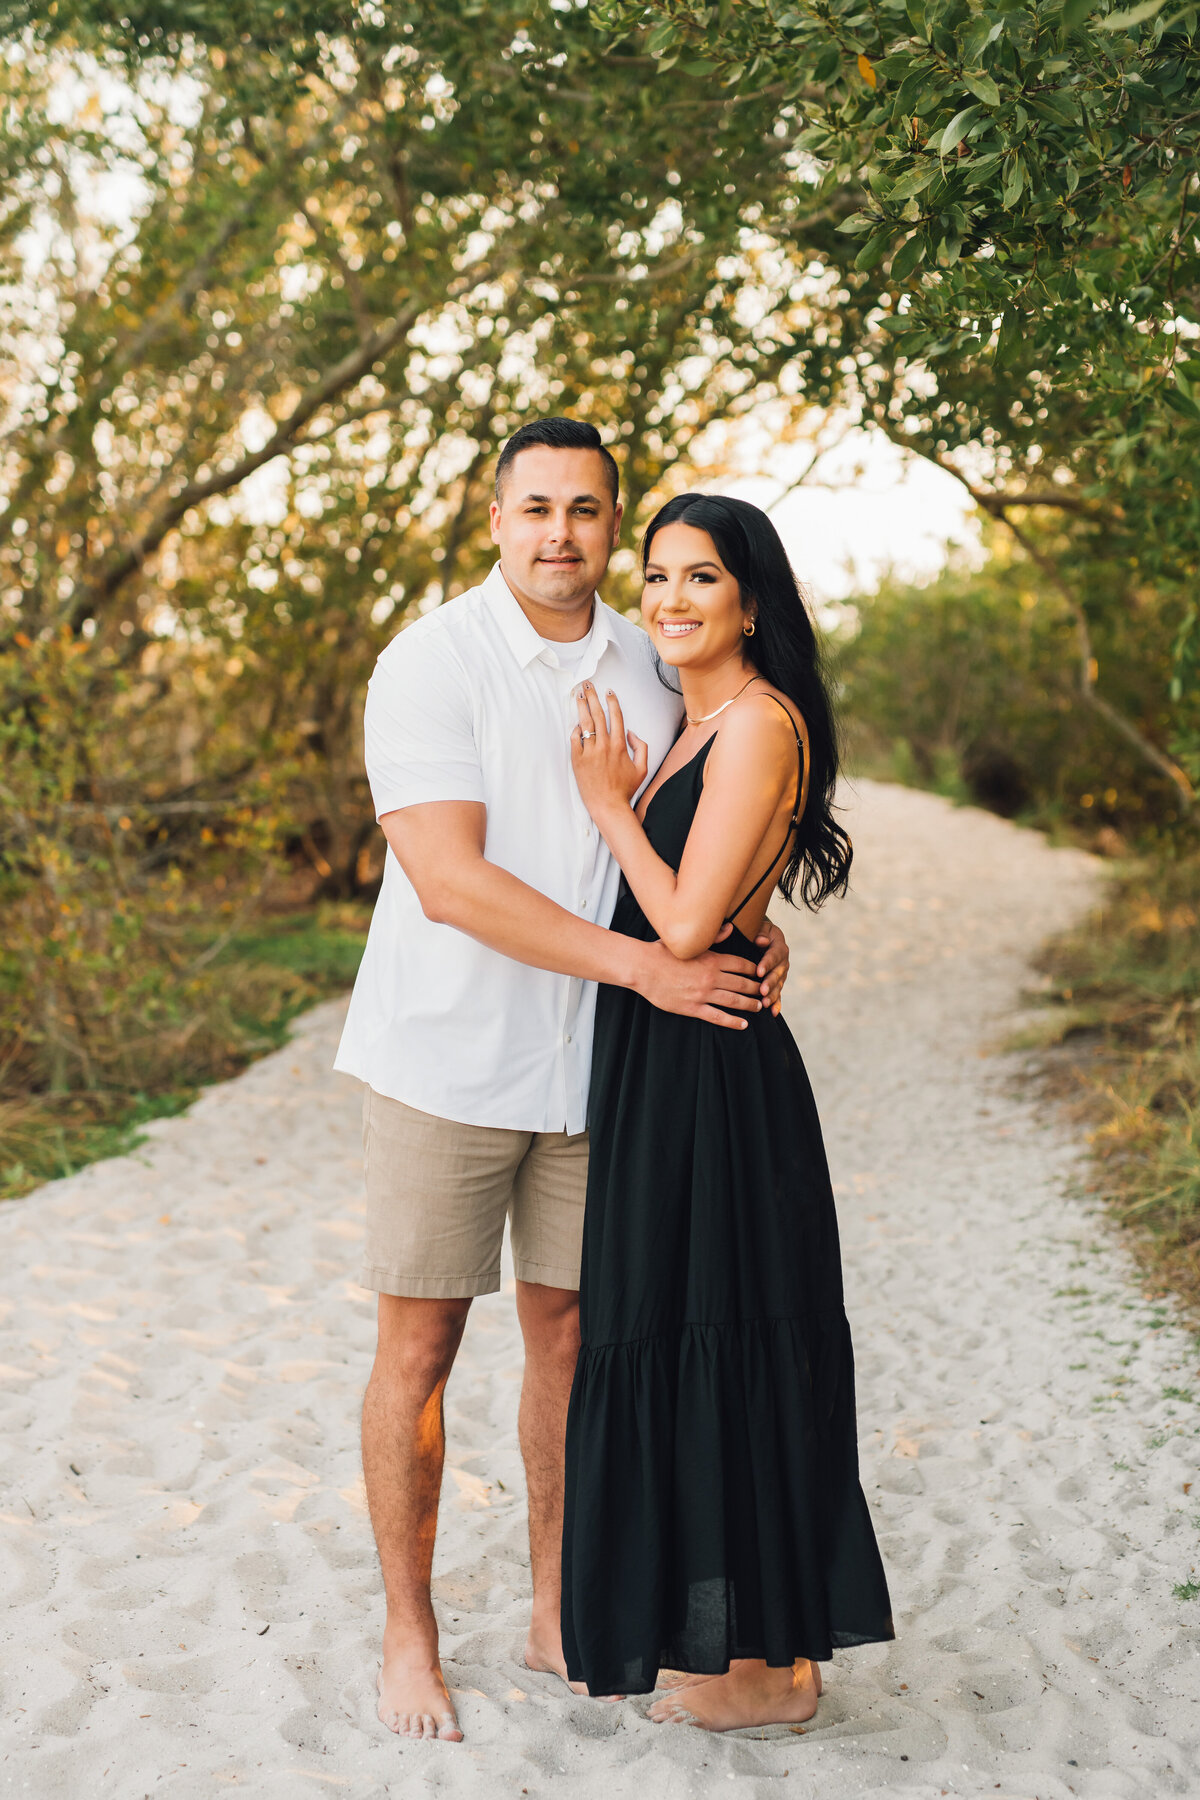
[(195, 1605)]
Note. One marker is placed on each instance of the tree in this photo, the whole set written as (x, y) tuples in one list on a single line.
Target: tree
[(251, 412), (1022, 238)]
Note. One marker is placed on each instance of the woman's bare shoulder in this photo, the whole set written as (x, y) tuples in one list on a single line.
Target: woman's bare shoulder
[(764, 715), (760, 728)]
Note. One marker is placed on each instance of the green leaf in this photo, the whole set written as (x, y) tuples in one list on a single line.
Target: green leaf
[(973, 39), (661, 38), (983, 88), (913, 181), (828, 63), (1123, 21), (1009, 334), (932, 100), (1076, 11), (1061, 109), (1014, 182), (874, 247), (957, 130), (979, 35), (857, 223), (982, 168), (908, 256), (910, 90), (1180, 402)]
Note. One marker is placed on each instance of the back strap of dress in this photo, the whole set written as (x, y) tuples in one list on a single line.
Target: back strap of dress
[(792, 822)]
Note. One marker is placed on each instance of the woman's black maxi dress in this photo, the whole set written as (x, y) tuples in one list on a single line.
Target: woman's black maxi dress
[(713, 1506)]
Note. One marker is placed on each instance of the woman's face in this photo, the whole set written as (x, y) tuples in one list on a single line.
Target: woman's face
[(692, 605)]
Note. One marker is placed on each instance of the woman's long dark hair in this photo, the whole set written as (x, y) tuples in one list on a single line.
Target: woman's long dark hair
[(784, 650)]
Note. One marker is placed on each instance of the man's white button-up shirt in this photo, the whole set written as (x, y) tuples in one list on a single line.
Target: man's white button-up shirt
[(469, 703)]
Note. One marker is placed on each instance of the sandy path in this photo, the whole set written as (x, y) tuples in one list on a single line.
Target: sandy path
[(183, 1355)]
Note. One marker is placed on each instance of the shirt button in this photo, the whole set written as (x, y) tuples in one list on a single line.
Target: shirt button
[(567, 1038)]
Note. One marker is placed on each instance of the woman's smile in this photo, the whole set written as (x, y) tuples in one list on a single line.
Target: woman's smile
[(678, 627)]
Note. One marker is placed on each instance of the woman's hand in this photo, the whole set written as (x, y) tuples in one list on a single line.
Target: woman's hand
[(610, 764)]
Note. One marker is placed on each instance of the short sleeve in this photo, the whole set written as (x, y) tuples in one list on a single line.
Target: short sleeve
[(418, 727)]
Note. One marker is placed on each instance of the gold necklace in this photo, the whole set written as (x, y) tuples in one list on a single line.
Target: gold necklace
[(705, 717)]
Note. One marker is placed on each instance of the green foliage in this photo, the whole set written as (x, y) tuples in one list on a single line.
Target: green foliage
[(1059, 119), (361, 247), (967, 685), (109, 925), (250, 407), (1014, 194), (263, 977), (1130, 979)]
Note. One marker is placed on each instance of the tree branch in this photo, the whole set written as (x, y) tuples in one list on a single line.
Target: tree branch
[(1062, 501), (1087, 671), (819, 453), (181, 297), (286, 437), (620, 279), (997, 506)]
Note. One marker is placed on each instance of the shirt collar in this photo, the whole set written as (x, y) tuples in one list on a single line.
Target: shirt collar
[(520, 636)]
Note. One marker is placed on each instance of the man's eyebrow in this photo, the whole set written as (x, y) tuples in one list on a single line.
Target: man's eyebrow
[(548, 499)]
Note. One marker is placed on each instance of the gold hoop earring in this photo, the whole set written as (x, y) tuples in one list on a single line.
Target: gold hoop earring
[(748, 630)]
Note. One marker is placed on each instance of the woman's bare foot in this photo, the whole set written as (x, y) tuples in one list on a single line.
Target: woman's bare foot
[(414, 1700), (546, 1658), (750, 1694)]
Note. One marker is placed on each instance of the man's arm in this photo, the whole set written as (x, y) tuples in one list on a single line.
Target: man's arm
[(440, 847)]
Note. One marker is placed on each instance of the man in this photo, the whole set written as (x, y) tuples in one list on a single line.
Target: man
[(471, 1019)]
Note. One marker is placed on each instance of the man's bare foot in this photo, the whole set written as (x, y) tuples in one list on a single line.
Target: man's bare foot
[(544, 1655), (414, 1700), (750, 1694)]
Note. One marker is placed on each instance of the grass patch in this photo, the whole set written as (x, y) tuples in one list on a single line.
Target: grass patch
[(1126, 984), (269, 973)]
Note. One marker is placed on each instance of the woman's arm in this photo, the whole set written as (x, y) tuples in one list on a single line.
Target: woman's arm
[(749, 770), (440, 846)]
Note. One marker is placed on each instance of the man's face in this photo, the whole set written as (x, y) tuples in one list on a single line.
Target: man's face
[(556, 525)]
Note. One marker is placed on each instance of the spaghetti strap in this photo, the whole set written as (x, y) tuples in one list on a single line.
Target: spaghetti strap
[(792, 822)]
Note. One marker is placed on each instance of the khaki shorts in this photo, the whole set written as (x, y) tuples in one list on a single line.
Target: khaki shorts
[(438, 1194)]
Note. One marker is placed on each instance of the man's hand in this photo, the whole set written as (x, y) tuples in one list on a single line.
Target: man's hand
[(773, 969), (704, 987)]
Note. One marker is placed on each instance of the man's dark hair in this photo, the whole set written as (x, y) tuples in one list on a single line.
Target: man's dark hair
[(556, 434)]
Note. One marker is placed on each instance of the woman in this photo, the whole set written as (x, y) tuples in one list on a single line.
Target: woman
[(714, 1518)]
